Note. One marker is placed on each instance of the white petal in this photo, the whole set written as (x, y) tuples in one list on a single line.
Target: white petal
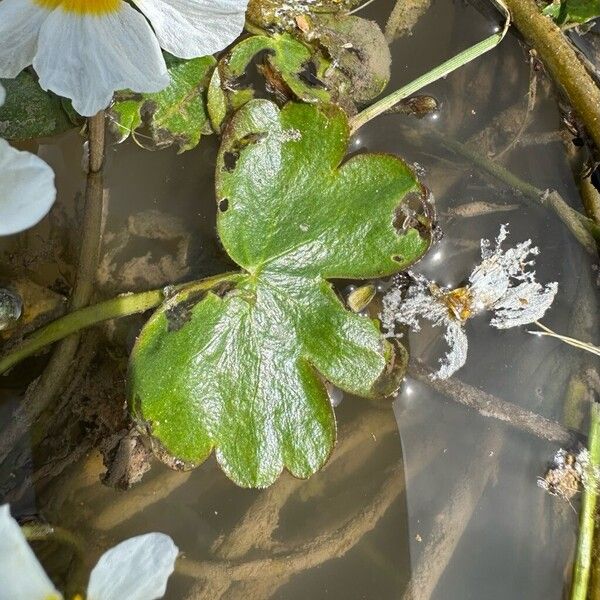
[(21, 575), (525, 303), (455, 358), (27, 189), (88, 57), (20, 22), (136, 569), (191, 28), (489, 281)]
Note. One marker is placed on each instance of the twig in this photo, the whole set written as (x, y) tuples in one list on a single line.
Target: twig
[(531, 98), (583, 228), (461, 59), (451, 522), (496, 408), (255, 532), (560, 59), (583, 558), (567, 340), (130, 504), (331, 544), (49, 385)]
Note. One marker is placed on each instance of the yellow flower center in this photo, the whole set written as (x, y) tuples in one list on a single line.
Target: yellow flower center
[(82, 7), (459, 303)]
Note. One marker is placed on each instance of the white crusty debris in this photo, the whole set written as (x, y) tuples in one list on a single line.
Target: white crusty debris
[(503, 284)]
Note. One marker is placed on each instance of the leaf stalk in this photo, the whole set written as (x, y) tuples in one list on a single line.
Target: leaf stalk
[(447, 67), (115, 308), (587, 519)]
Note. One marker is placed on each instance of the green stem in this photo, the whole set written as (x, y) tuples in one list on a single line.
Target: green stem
[(115, 308), (121, 306), (581, 570), (42, 532), (585, 230), (454, 63)]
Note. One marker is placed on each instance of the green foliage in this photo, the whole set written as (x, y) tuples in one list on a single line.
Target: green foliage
[(30, 112), (286, 67), (175, 116), (241, 367), (569, 12), (339, 59)]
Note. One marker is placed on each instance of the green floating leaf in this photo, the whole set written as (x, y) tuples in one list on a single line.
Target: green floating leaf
[(241, 368), (30, 112), (289, 63), (570, 12), (175, 116)]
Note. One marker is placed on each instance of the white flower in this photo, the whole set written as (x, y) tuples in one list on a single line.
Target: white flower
[(87, 49), (501, 284), (136, 569), (27, 189)]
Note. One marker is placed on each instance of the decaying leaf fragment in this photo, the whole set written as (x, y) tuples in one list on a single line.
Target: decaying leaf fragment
[(241, 367), (501, 284), (290, 68), (337, 59), (568, 473), (175, 116), (285, 15), (359, 54)]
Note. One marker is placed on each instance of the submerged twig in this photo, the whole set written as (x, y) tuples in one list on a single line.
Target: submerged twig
[(531, 98), (451, 522), (50, 383), (587, 519), (494, 407), (256, 528), (304, 556), (583, 228)]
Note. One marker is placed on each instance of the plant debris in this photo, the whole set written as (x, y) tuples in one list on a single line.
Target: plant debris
[(568, 473), (502, 284)]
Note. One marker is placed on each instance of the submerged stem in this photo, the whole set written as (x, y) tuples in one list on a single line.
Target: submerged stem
[(454, 63), (583, 559), (585, 230)]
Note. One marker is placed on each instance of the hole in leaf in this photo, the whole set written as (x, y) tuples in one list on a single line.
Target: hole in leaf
[(230, 157), (417, 212), (224, 204), (230, 160), (309, 75)]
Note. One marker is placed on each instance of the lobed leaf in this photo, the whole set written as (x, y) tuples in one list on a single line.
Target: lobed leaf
[(239, 365)]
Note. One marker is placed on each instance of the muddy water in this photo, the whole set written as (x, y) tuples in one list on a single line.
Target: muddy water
[(421, 474)]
